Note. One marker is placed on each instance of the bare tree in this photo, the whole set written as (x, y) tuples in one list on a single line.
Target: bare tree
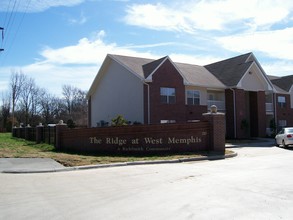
[(31, 104), (26, 98), (5, 110), (76, 104), (49, 107), (80, 107), (68, 92), (16, 83), (36, 98)]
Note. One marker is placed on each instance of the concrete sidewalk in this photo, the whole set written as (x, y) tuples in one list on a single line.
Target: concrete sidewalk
[(29, 165)]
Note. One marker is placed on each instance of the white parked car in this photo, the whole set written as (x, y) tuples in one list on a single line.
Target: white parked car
[(285, 137)]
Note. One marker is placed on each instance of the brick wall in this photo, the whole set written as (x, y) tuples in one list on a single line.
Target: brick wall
[(217, 130), (168, 76), (284, 113), (186, 137), (257, 114), (250, 113), (208, 135)]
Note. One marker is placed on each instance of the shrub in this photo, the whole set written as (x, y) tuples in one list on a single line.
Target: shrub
[(119, 121)]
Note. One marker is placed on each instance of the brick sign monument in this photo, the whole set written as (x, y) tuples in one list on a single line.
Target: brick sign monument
[(206, 135)]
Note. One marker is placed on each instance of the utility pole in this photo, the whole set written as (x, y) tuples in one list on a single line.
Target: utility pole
[(2, 30)]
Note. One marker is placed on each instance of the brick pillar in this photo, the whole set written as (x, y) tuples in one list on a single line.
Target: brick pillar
[(18, 134), (27, 132), (217, 130), (14, 131), (39, 133), (59, 128)]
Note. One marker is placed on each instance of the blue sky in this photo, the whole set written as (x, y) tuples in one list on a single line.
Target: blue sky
[(65, 41)]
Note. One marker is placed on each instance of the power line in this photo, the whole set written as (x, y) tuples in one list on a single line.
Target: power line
[(2, 30), (10, 23), (6, 14)]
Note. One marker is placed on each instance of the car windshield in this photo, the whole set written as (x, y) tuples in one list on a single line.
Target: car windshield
[(290, 130)]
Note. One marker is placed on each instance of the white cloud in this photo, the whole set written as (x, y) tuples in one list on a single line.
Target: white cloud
[(78, 64), (35, 5), (87, 51), (190, 16), (157, 17), (277, 44), (280, 68), (78, 21), (52, 77), (3, 87), (75, 64)]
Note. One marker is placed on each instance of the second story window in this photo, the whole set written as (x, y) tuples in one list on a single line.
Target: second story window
[(282, 101), (193, 97), (168, 95)]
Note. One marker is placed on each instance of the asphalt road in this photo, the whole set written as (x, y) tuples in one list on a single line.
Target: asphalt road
[(257, 184)]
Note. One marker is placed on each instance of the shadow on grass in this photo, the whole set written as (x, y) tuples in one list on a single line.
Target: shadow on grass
[(76, 158), (50, 148), (141, 154)]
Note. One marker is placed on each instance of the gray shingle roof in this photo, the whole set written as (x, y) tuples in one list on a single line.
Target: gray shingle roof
[(284, 83), (194, 74), (199, 76), (230, 71), (150, 67), (135, 64)]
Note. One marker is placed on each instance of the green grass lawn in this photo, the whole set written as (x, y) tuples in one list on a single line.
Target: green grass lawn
[(18, 148)]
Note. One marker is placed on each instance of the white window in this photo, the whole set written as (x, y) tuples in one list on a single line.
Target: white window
[(282, 101), (282, 123), (192, 97), (168, 95)]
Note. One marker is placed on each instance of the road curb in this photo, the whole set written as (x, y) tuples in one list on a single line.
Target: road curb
[(134, 163)]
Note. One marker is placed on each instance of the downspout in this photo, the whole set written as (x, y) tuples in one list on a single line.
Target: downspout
[(90, 111), (275, 112), (234, 106), (149, 109)]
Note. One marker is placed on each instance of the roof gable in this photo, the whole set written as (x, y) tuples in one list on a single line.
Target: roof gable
[(230, 71), (284, 83), (149, 68), (160, 63), (255, 80)]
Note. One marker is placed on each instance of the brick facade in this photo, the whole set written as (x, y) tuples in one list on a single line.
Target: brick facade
[(246, 92), (249, 114), (284, 112), (257, 113), (168, 76)]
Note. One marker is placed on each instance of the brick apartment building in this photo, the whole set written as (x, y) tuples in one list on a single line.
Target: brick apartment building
[(162, 91)]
